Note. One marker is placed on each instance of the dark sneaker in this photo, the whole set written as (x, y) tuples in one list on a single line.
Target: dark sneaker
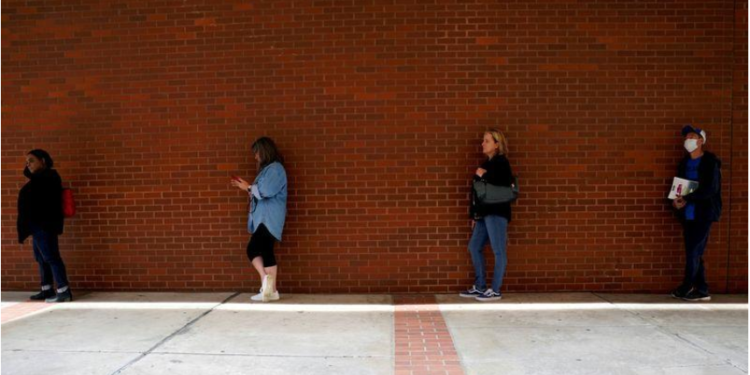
[(473, 292), (41, 296), (61, 297), (680, 292), (489, 295), (696, 296)]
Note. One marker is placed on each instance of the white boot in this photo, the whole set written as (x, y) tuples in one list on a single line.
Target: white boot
[(269, 285), (275, 296), (259, 297)]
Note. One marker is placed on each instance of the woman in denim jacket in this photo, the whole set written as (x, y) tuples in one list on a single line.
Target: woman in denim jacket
[(267, 214)]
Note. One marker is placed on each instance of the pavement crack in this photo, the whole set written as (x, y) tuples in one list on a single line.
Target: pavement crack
[(180, 331)]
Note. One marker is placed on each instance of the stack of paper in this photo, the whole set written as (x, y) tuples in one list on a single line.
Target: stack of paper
[(682, 187)]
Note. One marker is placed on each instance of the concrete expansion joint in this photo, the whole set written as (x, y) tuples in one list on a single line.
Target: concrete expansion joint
[(180, 331), (273, 355)]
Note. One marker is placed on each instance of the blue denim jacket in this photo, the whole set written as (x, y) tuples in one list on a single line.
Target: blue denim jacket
[(268, 200)]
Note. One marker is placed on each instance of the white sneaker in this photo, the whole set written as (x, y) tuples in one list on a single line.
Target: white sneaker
[(275, 296)]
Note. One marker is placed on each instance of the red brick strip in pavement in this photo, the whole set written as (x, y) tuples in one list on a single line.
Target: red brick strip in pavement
[(423, 343), (21, 309)]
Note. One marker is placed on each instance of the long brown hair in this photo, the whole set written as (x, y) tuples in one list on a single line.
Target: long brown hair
[(267, 151)]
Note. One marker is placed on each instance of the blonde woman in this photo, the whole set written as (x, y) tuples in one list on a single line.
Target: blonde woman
[(490, 221)]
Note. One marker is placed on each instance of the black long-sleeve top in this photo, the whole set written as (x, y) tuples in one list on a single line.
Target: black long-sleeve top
[(40, 204), (498, 173)]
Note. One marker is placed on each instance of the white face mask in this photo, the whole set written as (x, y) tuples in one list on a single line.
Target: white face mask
[(691, 145)]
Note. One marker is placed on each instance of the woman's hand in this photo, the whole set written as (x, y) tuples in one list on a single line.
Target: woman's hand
[(240, 184), (473, 224), (481, 172), (679, 203)]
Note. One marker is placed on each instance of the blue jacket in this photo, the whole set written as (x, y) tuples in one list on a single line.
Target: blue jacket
[(268, 200)]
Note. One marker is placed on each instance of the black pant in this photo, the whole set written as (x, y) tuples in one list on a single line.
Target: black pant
[(261, 245), (696, 239)]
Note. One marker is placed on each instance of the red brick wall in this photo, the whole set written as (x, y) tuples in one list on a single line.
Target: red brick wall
[(738, 249), (379, 109)]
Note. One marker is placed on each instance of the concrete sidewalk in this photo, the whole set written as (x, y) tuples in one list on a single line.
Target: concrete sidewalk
[(225, 333)]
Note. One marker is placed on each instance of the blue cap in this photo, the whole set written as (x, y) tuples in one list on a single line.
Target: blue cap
[(692, 129)]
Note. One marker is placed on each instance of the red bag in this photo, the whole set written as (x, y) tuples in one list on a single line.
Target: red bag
[(68, 203)]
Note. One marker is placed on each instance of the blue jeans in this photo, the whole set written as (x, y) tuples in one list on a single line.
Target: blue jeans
[(696, 238), (495, 229), (47, 255)]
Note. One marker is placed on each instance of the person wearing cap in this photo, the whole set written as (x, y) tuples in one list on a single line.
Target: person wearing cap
[(697, 211)]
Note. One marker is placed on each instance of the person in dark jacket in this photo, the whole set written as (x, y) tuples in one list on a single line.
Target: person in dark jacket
[(490, 222), (697, 211), (40, 216)]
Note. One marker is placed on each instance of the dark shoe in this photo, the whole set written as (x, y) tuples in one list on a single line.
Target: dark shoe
[(61, 297), (681, 292), (696, 296), (43, 295), (489, 295), (472, 292)]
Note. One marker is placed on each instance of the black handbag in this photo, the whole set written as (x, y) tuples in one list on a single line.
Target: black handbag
[(487, 193)]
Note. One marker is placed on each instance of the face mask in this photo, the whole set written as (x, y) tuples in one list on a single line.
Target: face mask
[(691, 145)]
